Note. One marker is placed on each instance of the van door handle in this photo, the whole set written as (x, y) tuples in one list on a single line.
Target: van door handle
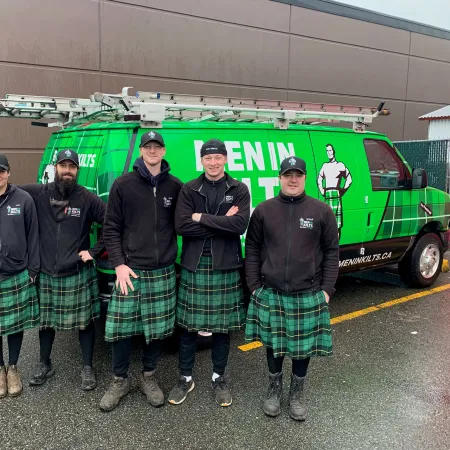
[(368, 219)]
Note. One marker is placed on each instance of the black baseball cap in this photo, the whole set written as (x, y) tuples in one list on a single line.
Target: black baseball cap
[(213, 147), (293, 163), (67, 155), (4, 163), (152, 136)]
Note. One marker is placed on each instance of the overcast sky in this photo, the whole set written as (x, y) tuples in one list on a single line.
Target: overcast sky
[(430, 12)]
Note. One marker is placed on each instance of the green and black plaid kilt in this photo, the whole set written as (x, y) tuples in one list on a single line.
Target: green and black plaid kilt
[(210, 300), (148, 310), (19, 306), (69, 303), (296, 325), (334, 199)]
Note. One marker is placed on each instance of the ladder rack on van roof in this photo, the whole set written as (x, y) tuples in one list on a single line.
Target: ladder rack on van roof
[(151, 109)]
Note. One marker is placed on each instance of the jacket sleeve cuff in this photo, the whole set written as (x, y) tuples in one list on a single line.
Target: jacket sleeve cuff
[(32, 274), (116, 262), (253, 286), (328, 290)]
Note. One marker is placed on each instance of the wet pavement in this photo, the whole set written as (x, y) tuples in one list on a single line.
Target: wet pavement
[(387, 386)]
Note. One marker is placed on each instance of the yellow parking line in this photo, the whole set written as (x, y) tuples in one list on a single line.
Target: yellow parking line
[(250, 346), (362, 312)]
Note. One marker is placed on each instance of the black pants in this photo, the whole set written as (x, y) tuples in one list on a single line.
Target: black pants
[(299, 366), (86, 337), (121, 352), (219, 353), (14, 346)]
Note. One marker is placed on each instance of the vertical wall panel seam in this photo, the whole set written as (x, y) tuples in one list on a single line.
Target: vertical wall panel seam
[(100, 44), (289, 53), (406, 92)]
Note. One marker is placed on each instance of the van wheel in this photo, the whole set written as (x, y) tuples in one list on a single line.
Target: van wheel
[(422, 265)]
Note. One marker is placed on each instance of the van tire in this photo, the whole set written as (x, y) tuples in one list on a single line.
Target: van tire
[(410, 266)]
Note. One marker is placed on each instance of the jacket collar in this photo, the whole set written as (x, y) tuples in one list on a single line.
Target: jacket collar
[(198, 182), (141, 169), (287, 199)]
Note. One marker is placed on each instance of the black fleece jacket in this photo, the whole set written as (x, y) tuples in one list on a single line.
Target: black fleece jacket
[(19, 234), (139, 228), (292, 245), (223, 231), (65, 227)]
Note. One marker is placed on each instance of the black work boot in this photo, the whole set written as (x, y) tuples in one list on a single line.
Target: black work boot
[(272, 403), (116, 391), (42, 375), (297, 410), (88, 380)]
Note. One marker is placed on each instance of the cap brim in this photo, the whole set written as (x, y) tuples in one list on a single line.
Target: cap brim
[(152, 140), (293, 168), (2, 167), (68, 159)]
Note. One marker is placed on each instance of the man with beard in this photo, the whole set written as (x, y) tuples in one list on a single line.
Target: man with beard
[(67, 288), (142, 246)]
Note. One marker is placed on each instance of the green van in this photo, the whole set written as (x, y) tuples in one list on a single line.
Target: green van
[(385, 211)]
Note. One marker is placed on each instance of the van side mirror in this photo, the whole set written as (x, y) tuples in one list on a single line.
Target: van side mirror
[(419, 179)]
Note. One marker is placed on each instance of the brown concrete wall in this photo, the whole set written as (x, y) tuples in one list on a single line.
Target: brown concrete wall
[(251, 48)]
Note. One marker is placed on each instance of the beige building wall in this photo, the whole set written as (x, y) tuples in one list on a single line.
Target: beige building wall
[(247, 48)]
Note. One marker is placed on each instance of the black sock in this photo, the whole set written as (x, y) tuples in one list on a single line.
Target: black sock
[(14, 344), (46, 339), (87, 342), (275, 364), (300, 367)]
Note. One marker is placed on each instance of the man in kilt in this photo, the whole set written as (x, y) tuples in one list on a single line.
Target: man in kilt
[(332, 173), (141, 242), (212, 212), (67, 288), (19, 266), (291, 263)]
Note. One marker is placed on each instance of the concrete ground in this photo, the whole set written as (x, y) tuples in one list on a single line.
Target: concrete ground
[(387, 386)]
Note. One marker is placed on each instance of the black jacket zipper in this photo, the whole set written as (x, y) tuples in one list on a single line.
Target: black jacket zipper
[(286, 280), (57, 246), (207, 212), (156, 223)]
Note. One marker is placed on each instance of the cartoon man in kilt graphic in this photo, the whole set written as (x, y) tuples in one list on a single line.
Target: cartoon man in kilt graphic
[(19, 267), (68, 287), (291, 264), (212, 213), (332, 173), (142, 245)]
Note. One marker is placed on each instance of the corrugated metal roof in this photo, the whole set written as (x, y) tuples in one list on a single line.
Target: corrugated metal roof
[(443, 113)]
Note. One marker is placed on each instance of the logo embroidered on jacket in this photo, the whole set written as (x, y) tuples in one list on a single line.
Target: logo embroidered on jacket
[(307, 223), (13, 210), (167, 202), (73, 212), (229, 199)]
